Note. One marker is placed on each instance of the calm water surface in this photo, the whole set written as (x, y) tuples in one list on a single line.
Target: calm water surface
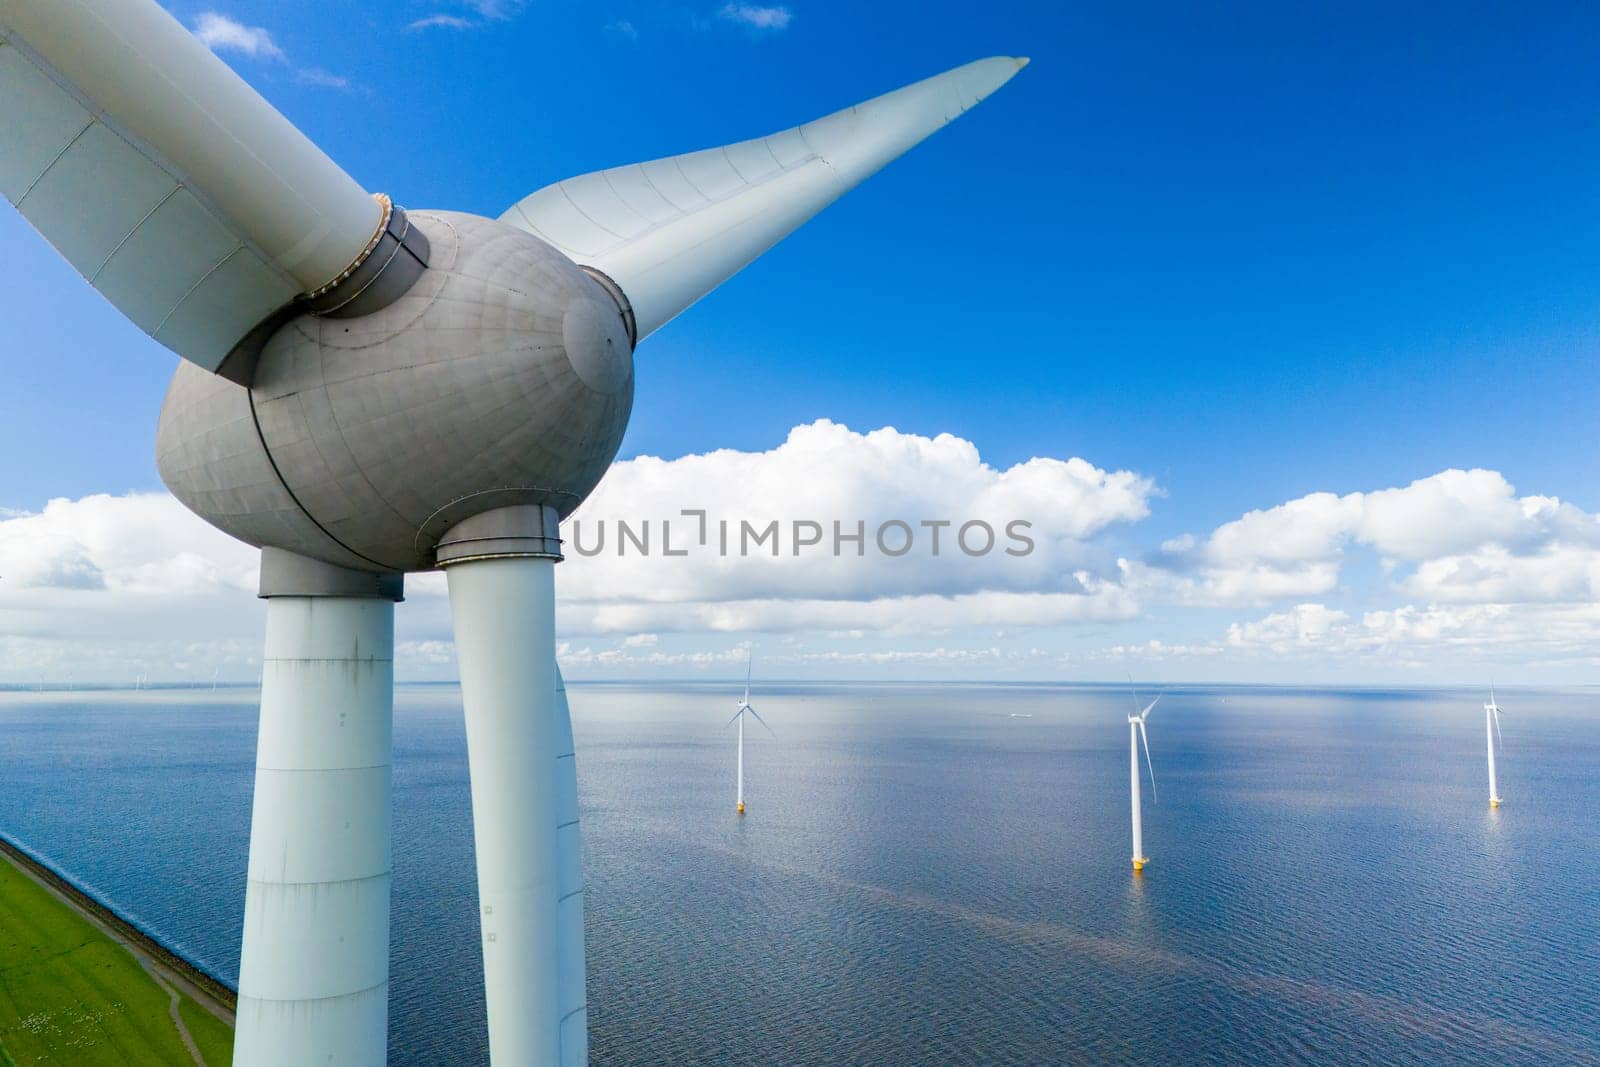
[(923, 878)]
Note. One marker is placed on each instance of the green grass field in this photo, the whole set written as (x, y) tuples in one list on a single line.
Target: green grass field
[(70, 995)]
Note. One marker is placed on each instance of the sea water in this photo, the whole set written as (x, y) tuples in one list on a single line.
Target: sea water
[(932, 874)]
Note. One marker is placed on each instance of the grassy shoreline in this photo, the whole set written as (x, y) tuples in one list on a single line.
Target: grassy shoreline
[(80, 985)]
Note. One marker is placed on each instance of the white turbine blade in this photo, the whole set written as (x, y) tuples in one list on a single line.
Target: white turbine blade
[(1145, 714), (1501, 741), (762, 721), (1146, 739), (172, 186), (741, 711), (749, 665), (670, 231), (1133, 691)]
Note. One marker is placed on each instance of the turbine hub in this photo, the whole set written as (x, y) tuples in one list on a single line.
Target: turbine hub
[(502, 378)]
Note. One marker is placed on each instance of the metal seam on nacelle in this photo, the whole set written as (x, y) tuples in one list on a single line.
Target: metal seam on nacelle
[(239, 364), (266, 450), (343, 297), (517, 531), (614, 291), (398, 248), (422, 543), (361, 257)]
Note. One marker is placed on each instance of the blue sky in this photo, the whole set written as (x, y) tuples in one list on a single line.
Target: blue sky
[(1250, 254)]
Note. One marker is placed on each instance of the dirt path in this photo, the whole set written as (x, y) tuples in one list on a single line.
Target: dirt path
[(177, 1016)]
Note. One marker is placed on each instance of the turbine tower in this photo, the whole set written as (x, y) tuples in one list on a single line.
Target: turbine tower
[(738, 717), (1491, 729), (367, 392), (1136, 733)]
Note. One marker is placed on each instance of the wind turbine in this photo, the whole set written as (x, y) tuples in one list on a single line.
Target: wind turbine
[(1136, 733), (738, 717), (1491, 728), (365, 393)]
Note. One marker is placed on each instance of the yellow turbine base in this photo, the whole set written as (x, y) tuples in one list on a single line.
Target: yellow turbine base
[(1138, 864), (741, 807), (1494, 802)]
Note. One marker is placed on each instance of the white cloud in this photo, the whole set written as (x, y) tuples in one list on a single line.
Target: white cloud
[(824, 474), (495, 9), (1463, 636), (894, 616), (1302, 626), (758, 17), (483, 11), (323, 79), (141, 544), (586, 656), (448, 22), (140, 573), (222, 34), (109, 587), (1494, 574), (112, 586), (1459, 535), (433, 653)]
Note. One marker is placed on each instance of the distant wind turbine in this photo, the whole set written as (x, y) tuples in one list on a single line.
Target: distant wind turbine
[(1491, 729), (738, 717), (1136, 732)]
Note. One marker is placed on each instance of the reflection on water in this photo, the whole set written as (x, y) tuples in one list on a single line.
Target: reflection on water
[(925, 875)]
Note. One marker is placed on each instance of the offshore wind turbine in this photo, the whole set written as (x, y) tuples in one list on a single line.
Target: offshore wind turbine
[(1491, 729), (1136, 733), (367, 392), (738, 717)]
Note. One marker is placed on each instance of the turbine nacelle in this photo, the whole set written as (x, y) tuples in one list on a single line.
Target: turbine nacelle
[(503, 376)]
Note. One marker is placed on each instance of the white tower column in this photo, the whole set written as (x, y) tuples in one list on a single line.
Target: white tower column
[(501, 572), (740, 808), (314, 965), (1139, 858), (1488, 729)]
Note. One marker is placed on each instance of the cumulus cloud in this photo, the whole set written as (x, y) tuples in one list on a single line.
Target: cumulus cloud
[(143, 544), (495, 9), (1537, 634), (1457, 535), (893, 616), (757, 17), (481, 13), (220, 33), (140, 570), (114, 586), (322, 78), (111, 586), (447, 22), (1302, 626), (1553, 572), (859, 497)]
